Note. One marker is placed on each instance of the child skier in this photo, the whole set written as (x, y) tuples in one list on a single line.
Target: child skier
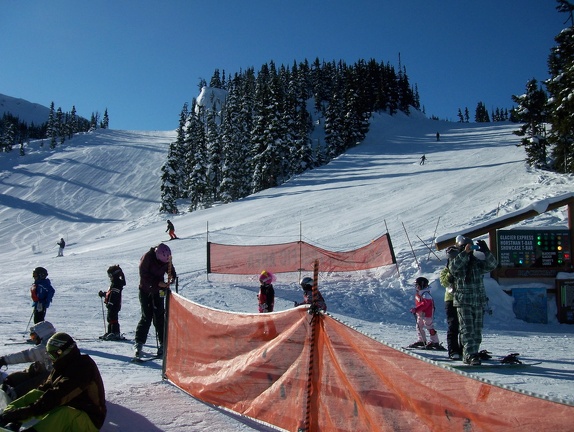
[(41, 292), (307, 285), (19, 383), (266, 296), (424, 310), (113, 302)]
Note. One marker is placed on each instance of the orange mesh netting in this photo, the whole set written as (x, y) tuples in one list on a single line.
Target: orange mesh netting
[(259, 365), (296, 256)]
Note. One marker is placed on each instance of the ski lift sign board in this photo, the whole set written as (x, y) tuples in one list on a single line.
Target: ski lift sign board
[(533, 253)]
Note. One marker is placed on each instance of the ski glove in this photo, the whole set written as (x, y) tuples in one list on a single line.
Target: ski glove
[(482, 247), (102, 294)]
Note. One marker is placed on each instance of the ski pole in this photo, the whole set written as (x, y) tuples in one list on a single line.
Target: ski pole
[(30, 320), (103, 316)]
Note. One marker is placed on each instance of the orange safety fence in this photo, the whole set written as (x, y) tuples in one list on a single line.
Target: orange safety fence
[(296, 256), (304, 372)]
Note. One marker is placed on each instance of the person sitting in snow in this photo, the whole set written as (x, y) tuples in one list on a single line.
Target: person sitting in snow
[(266, 296), (19, 383), (41, 292), (307, 285), (72, 398), (424, 311), (113, 301)]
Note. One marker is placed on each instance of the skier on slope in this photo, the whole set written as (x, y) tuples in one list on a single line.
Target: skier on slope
[(171, 230), (307, 285), (424, 311), (113, 301), (62, 245), (266, 296), (19, 383), (41, 293), (154, 264)]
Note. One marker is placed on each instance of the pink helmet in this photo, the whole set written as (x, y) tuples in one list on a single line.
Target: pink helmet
[(266, 277), (163, 253)]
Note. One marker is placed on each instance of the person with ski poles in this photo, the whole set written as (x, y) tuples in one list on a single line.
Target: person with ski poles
[(41, 293), (470, 295), (62, 245), (17, 384), (154, 264), (113, 301)]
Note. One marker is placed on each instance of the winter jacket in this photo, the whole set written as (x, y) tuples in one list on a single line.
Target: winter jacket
[(308, 299), (266, 298), (468, 272), (42, 292), (152, 272), (424, 303), (446, 280), (76, 382), (37, 353)]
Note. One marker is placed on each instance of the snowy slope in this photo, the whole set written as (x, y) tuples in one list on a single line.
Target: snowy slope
[(28, 112), (100, 191)]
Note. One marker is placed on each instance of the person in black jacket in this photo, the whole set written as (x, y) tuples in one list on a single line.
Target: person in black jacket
[(113, 301), (71, 399), (153, 266)]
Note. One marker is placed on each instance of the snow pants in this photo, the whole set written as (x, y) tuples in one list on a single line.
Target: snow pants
[(452, 330), (153, 310), (470, 319), (62, 418), (426, 323)]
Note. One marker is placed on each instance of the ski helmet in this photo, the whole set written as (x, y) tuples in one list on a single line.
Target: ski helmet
[(40, 273), (163, 253), (60, 345), (266, 277), (422, 282), (306, 283), (463, 241), (43, 329)]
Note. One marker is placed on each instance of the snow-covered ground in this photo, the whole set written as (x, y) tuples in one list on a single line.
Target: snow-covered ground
[(100, 191)]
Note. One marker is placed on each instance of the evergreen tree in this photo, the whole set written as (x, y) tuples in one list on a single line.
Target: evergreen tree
[(531, 111), (105, 120), (460, 116), (196, 158), (560, 87), (481, 114)]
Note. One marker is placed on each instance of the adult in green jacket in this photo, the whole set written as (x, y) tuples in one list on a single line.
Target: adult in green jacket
[(470, 296)]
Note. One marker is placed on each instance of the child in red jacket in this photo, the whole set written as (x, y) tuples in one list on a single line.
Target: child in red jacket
[(424, 311)]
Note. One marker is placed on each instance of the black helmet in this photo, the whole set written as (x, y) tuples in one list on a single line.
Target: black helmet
[(60, 345), (40, 273), (422, 282), (306, 283)]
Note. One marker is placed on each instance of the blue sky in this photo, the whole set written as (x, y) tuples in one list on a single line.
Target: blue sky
[(142, 59)]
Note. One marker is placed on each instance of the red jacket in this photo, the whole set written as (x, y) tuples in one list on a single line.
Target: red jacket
[(424, 303)]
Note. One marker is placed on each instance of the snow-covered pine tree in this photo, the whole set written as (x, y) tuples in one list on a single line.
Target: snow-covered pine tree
[(531, 111), (560, 87)]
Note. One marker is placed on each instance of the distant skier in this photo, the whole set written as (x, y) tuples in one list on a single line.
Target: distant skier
[(437, 136), (113, 301), (171, 230), (307, 285), (19, 383), (41, 292), (62, 245), (424, 311), (266, 296), (423, 159)]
